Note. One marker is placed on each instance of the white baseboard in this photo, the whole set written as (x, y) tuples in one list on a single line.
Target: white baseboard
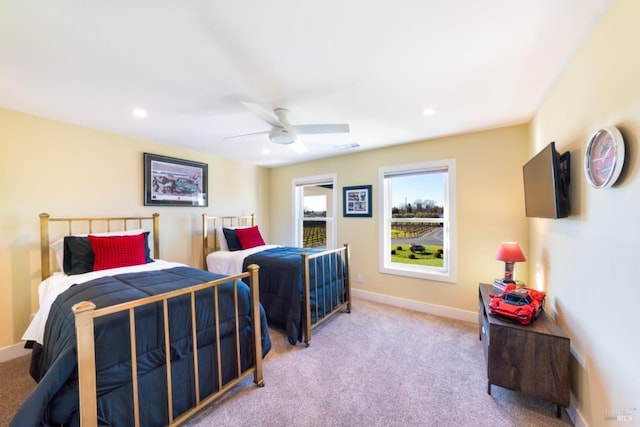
[(13, 351), (574, 414), (437, 310)]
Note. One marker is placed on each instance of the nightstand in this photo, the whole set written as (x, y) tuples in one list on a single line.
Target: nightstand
[(531, 359)]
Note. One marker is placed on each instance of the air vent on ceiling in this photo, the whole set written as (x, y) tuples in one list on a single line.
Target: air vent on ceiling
[(346, 146)]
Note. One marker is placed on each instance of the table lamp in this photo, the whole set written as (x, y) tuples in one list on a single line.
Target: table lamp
[(510, 253)]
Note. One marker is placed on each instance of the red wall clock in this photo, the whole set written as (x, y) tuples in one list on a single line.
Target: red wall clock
[(604, 158)]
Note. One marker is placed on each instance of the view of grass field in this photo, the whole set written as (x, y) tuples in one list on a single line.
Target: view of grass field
[(403, 254), (410, 244)]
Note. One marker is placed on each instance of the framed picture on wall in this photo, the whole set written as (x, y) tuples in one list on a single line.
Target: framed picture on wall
[(174, 182), (356, 201)]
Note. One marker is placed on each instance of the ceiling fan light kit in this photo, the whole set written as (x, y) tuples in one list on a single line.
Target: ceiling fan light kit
[(281, 136)]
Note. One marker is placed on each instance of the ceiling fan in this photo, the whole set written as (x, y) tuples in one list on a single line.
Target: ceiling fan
[(282, 131)]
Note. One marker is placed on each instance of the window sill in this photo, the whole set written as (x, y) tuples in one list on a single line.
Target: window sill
[(419, 273)]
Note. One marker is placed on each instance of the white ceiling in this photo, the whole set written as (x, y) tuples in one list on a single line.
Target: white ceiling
[(374, 64)]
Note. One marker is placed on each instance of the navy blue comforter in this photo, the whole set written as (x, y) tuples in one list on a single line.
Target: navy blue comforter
[(281, 287), (54, 401)]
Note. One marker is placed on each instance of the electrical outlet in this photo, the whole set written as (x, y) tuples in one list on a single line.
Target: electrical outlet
[(359, 277)]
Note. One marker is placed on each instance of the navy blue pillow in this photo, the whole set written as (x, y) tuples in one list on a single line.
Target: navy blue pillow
[(79, 257), (232, 239), (147, 250)]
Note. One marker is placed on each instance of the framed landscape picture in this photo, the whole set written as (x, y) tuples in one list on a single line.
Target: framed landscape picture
[(174, 182), (356, 201)]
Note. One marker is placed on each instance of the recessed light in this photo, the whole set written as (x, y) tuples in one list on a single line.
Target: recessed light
[(428, 112), (139, 113)]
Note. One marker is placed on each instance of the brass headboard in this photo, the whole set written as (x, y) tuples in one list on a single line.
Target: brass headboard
[(108, 224), (210, 244)]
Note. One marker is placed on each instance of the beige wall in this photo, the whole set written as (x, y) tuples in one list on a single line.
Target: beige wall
[(66, 170), (587, 260), (490, 209)]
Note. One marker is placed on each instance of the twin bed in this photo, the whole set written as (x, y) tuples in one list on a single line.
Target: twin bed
[(113, 340), (300, 288)]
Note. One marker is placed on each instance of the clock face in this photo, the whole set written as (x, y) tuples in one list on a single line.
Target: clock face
[(604, 157)]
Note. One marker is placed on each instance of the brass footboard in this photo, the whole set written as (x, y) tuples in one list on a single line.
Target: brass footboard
[(85, 313), (337, 262)]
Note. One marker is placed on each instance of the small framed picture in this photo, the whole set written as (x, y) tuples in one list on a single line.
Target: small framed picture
[(174, 182), (357, 201)]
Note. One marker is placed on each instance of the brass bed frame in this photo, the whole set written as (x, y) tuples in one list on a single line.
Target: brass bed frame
[(85, 313), (210, 244)]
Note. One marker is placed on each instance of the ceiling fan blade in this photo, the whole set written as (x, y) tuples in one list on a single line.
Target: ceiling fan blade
[(321, 128), (265, 114), (248, 134)]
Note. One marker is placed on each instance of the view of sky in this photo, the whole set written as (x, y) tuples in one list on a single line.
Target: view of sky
[(315, 203), (409, 188)]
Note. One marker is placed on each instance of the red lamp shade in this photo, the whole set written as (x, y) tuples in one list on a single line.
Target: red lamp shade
[(509, 252)]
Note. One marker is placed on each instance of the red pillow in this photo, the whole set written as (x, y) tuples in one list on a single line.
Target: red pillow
[(117, 251), (249, 237)]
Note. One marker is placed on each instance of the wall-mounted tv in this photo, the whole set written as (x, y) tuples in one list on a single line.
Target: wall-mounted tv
[(546, 184)]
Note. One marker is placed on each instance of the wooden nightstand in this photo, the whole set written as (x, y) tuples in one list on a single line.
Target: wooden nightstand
[(532, 359)]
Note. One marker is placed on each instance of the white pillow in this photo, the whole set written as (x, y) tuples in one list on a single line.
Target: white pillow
[(58, 245), (222, 241)]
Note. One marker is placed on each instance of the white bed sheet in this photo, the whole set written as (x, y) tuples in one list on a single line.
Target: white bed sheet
[(230, 262), (50, 288)]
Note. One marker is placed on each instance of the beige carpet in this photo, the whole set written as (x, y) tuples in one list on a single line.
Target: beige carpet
[(377, 366), (15, 386)]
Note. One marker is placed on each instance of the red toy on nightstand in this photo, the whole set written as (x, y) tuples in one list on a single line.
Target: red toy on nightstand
[(521, 304)]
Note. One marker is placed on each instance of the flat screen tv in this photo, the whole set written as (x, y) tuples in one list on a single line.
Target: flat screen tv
[(546, 184)]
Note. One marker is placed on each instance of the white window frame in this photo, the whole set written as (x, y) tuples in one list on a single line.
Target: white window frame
[(298, 208), (448, 273)]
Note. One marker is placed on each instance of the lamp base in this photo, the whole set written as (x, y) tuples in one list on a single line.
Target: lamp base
[(508, 272)]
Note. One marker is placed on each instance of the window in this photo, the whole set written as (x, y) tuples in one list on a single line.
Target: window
[(315, 201), (418, 220)]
